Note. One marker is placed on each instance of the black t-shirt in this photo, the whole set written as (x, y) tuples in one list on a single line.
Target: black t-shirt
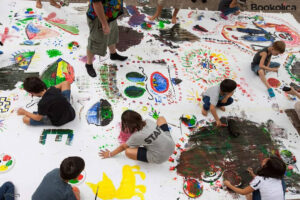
[(56, 107), (257, 57)]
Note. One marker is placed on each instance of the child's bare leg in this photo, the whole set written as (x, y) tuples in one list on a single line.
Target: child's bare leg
[(237, 12), (174, 17), (39, 4), (262, 77), (26, 120), (53, 3), (157, 13), (131, 153), (66, 85), (222, 108), (204, 112), (76, 192)]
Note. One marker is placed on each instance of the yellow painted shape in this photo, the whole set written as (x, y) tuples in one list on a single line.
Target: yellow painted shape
[(127, 189), (61, 68), (3, 168)]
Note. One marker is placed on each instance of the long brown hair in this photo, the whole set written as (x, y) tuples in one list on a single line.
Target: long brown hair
[(132, 121)]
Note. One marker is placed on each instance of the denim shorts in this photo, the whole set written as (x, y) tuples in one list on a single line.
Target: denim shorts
[(255, 68)]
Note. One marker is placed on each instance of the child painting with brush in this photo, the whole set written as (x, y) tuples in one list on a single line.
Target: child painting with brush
[(267, 183), (262, 63)]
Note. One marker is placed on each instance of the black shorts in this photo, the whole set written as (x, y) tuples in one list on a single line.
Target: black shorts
[(142, 154)]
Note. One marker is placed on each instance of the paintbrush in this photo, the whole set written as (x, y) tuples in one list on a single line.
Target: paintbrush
[(97, 192)]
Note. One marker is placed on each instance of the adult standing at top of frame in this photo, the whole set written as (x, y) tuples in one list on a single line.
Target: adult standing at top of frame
[(102, 21)]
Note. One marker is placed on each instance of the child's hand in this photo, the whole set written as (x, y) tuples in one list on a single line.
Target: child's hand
[(21, 111), (226, 183), (292, 91), (250, 170), (218, 123), (104, 154)]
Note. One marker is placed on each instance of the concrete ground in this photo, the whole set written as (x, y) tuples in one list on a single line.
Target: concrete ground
[(213, 4)]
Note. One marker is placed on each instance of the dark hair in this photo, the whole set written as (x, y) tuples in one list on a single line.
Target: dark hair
[(228, 85), (274, 168), (279, 46), (71, 167), (132, 121), (34, 84)]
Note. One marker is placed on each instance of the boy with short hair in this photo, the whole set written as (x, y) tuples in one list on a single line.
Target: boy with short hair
[(218, 96), (228, 7), (55, 184), (262, 62), (54, 108), (161, 4)]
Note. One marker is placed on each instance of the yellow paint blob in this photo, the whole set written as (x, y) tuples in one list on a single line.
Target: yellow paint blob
[(3, 168), (128, 188), (61, 69)]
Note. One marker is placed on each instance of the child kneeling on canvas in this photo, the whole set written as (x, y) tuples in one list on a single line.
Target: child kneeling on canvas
[(267, 183), (262, 62), (54, 108), (149, 142), (55, 184), (218, 96), (228, 7)]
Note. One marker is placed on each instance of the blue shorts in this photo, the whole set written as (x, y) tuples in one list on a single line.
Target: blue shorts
[(255, 68), (45, 120)]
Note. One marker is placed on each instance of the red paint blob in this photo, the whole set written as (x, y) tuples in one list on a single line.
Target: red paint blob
[(274, 83), (6, 158)]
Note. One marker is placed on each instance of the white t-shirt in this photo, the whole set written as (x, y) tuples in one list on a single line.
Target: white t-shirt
[(269, 188)]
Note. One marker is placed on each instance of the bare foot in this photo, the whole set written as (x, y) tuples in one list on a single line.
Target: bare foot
[(204, 112), (174, 20), (152, 18), (237, 12), (222, 108), (55, 4), (39, 4)]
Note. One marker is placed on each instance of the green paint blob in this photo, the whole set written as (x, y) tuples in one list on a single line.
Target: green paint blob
[(53, 53), (73, 181), (71, 29), (134, 92), (9, 163)]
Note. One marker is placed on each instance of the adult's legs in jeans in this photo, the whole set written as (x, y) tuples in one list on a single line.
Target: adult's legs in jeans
[(7, 191)]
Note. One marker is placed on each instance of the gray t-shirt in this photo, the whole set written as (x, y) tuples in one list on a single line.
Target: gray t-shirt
[(53, 188), (214, 94), (159, 143)]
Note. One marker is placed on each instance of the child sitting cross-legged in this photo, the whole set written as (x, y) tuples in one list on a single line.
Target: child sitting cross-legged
[(54, 108), (218, 96)]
